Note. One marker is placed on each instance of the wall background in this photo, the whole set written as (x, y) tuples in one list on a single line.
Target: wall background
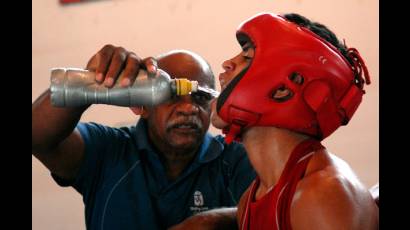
[(67, 36)]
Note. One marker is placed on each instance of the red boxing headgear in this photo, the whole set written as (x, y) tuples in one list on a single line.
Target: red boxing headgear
[(331, 91)]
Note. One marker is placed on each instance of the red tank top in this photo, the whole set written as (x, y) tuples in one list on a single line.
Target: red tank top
[(272, 211)]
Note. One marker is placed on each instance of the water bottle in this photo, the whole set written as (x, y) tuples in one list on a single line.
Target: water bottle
[(77, 87)]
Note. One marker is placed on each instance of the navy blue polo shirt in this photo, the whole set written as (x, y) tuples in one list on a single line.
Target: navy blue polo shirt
[(124, 184)]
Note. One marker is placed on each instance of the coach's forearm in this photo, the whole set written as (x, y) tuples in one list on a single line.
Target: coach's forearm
[(51, 125), (221, 218)]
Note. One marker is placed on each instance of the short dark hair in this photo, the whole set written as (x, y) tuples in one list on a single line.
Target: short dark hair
[(319, 29)]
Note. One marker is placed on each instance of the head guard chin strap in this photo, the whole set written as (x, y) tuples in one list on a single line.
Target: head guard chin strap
[(331, 91)]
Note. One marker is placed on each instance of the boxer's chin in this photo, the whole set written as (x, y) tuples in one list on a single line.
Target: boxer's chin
[(217, 122)]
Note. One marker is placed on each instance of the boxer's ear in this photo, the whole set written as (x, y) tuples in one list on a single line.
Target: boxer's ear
[(282, 94)]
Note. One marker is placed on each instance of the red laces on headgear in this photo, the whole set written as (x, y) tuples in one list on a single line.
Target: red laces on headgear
[(359, 67)]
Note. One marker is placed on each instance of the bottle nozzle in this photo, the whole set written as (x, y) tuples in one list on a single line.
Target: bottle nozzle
[(185, 86)]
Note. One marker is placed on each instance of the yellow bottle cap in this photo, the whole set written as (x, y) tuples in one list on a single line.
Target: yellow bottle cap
[(185, 86)]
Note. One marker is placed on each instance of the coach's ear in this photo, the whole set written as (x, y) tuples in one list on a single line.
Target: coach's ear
[(137, 110), (140, 110)]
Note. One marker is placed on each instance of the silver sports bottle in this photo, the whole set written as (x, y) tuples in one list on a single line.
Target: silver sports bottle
[(77, 87)]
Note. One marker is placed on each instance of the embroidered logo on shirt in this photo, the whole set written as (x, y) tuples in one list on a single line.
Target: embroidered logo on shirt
[(198, 199), (198, 202)]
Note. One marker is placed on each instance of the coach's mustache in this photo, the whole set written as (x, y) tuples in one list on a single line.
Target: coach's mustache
[(193, 123)]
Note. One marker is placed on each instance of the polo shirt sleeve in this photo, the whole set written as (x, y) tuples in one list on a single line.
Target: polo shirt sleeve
[(103, 148)]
